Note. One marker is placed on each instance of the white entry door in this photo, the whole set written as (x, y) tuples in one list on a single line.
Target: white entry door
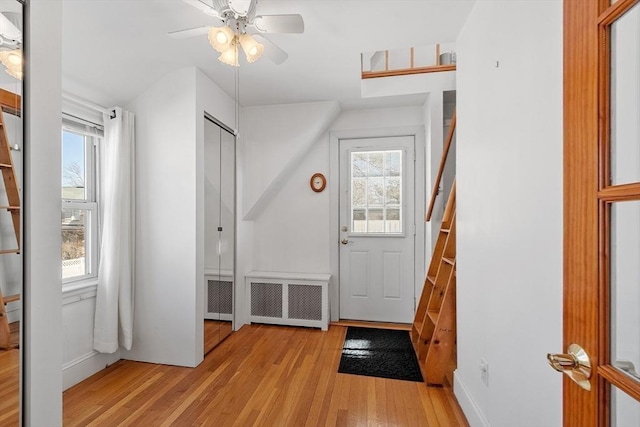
[(377, 229)]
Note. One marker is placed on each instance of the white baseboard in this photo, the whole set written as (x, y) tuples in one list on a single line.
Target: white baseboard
[(469, 406), (86, 365)]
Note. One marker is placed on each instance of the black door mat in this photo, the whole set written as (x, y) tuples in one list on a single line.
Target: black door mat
[(380, 353)]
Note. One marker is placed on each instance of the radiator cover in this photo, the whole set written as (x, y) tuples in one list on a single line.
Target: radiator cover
[(294, 299), (218, 297)]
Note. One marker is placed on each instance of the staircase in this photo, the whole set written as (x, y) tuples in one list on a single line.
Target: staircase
[(434, 328), (9, 103)]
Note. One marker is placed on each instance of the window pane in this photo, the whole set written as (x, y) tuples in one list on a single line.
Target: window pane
[(73, 166), (359, 161), (393, 192), (376, 192), (392, 163), (625, 410), (75, 242), (625, 98), (359, 192), (625, 289), (375, 164)]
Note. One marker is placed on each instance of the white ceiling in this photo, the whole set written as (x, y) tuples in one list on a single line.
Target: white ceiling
[(114, 49)]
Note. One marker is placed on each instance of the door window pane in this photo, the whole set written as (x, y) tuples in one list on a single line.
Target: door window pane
[(625, 98), (376, 192), (625, 287)]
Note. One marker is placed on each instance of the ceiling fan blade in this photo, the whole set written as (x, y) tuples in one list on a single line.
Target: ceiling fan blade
[(241, 7), (191, 32), (271, 50), (203, 6), (8, 30), (279, 23)]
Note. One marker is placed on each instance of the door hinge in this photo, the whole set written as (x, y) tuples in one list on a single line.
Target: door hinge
[(414, 229)]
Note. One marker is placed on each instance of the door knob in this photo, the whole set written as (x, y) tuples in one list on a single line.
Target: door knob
[(575, 363), (344, 241)]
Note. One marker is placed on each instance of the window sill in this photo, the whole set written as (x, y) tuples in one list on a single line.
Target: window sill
[(79, 286)]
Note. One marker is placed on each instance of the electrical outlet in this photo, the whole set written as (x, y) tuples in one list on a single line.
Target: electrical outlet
[(484, 372)]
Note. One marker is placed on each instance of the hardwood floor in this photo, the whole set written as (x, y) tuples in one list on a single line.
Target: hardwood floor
[(10, 380), (261, 375), (214, 332)]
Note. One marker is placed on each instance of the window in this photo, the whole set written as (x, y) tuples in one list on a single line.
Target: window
[(79, 206), (376, 191)]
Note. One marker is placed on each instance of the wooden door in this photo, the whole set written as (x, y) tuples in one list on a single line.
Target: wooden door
[(602, 208)]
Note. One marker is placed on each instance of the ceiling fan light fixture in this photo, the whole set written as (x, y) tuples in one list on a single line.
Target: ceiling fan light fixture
[(221, 38), (230, 56), (12, 61), (252, 49)]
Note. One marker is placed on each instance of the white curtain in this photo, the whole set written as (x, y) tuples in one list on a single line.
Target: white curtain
[(114, 300)]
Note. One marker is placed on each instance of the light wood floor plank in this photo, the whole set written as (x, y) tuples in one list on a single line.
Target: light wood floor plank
[(260, 376)]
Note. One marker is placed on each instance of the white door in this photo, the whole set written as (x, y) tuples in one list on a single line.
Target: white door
[(377, 229)]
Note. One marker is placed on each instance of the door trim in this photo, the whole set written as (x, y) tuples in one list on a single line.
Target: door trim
[(581, 238), (334, 205)]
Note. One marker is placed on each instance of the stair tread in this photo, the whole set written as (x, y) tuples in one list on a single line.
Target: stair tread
[(11, 298)]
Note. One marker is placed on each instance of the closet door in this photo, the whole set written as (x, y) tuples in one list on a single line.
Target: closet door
[(227, 230), (219, 241)]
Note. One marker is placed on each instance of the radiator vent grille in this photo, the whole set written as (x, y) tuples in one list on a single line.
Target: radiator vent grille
[(305, 302), (266, 299), (220, 296)]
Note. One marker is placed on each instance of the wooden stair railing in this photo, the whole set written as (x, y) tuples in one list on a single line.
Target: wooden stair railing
[(9, 103), (443, 161)]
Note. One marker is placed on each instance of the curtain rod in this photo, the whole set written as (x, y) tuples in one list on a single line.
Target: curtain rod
[(88, 104), (84, 121)]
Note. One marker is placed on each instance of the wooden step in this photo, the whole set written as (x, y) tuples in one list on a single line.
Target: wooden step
[(449, 260), (433, 315), (11, 298), (9, 251)]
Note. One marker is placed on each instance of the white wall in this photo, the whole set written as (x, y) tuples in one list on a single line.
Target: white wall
[(292, 230), (509, 222), (42, 297), (169, 304), (79, 359), (165, 326), (275, 139)]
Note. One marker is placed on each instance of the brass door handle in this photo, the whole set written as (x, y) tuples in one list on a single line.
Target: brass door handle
[(344, 241), (575, 363)]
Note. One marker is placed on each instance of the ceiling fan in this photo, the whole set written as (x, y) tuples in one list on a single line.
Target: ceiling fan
[(237, 24)]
